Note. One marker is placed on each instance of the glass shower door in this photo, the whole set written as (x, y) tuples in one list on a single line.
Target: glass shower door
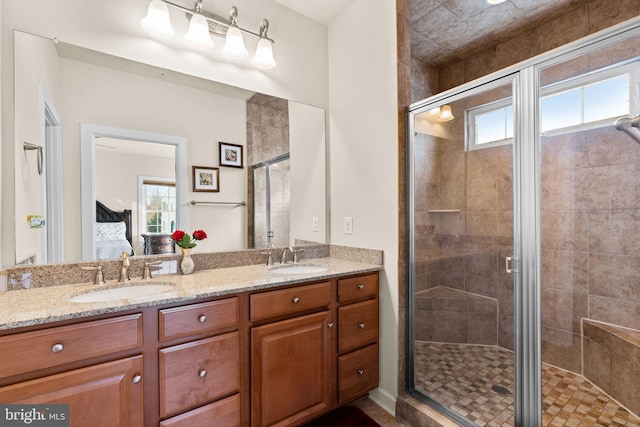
[(462, 246), (590, 202), (271, 198)]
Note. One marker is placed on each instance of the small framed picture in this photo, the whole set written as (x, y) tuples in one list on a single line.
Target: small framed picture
[(206, 179), (230, 155)]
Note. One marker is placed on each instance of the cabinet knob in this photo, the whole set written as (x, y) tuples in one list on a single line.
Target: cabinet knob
[(202, 373), (360, 286), (361, 325), (360, 371), (57, 348), (330, 325), (136, 379), (202, 318), (296, 300)]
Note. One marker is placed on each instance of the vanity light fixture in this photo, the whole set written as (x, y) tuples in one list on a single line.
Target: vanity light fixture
[(445, 114), (440, 114), (203, 24)]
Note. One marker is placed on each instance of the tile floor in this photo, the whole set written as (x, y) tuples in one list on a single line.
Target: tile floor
[(462, 376), (378, 414)]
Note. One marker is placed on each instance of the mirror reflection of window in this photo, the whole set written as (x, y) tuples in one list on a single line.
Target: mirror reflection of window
[(158, 205)]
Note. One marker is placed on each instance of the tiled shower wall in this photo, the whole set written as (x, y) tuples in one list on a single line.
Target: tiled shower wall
[(590, 229)]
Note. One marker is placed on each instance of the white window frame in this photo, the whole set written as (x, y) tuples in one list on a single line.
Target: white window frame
[(470, 117), (631, 69), (142, 201)]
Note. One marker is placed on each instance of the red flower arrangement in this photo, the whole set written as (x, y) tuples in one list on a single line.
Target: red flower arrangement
[(185, 241)]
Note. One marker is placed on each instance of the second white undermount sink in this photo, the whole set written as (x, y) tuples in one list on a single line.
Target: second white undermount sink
[(127, 291), (299, 268)]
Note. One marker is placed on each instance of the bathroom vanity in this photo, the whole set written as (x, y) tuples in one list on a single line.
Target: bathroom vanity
[(280, 351)]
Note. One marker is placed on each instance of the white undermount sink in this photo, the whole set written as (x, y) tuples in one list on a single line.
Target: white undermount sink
[(127, 291), (299, 268)]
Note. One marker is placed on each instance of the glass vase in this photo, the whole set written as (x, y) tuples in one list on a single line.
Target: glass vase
[(186, 264)]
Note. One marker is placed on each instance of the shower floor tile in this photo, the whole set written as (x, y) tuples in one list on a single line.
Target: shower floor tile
[(477, 383)]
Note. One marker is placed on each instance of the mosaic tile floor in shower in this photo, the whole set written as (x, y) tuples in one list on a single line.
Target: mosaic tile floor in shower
[(461, 377)]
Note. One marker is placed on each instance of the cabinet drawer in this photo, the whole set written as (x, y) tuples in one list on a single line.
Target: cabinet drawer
[(198, 318), (357, 325), (355, 288), (289, 301), (65, 344), (357, 373), (198, 372), (223, 413)]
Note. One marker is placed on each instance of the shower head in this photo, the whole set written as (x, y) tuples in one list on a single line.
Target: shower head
[(629, 125)]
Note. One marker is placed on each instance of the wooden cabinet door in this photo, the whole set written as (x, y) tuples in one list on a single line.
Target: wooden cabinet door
[(104, 395), (290, 370)]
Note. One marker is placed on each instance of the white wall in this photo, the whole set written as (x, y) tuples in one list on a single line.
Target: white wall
[(107, 97), (37, 72), (364, 156), (307, 150), (114, 27)]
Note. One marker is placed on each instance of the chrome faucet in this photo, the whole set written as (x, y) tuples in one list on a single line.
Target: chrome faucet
[(124, 270), (283, 259), (99, 279), (146, 272)]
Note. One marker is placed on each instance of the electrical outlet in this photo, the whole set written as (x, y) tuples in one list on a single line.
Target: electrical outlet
[(348, 225), (315, 223)]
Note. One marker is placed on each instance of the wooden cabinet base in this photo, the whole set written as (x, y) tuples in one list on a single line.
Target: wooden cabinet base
[(290, 362), (88, 392), (357, 373), (223, 413)]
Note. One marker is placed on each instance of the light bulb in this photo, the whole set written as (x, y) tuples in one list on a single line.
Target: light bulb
[(234, 44), (198, 34), (264, 55), (157, 21)]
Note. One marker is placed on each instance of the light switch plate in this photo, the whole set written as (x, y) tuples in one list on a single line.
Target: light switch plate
[(348, 225)]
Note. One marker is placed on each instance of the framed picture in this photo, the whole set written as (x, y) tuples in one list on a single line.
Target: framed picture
[(230, 155), (206, 179)]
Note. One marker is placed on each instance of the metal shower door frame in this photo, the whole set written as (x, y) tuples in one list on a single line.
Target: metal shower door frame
[(527, 166)]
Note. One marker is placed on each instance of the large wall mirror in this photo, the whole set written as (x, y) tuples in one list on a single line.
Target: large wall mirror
[(126, 137)]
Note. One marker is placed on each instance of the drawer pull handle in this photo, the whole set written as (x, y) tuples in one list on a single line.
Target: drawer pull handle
[(330, 325), (57, 348), (202, 318), (361, 325), (202, 373), (360, 371), (136, 379), (296, 300), (361, 286)]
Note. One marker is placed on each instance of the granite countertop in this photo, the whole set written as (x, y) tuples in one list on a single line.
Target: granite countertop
[(27, 307)]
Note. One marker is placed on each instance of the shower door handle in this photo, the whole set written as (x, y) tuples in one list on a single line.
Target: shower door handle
[(510, 264)]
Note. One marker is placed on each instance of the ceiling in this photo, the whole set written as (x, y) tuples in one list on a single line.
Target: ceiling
[(321, 10), (443, 31), (447, 30)]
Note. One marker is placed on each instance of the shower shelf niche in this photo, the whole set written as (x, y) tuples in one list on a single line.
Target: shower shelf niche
[(443, 211)]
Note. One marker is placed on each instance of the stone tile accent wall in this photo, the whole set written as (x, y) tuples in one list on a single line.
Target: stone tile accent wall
[(590, 220), (612, 361), (584, 18)]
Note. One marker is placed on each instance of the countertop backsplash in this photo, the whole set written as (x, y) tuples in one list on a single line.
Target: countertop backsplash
[(38, 276)]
